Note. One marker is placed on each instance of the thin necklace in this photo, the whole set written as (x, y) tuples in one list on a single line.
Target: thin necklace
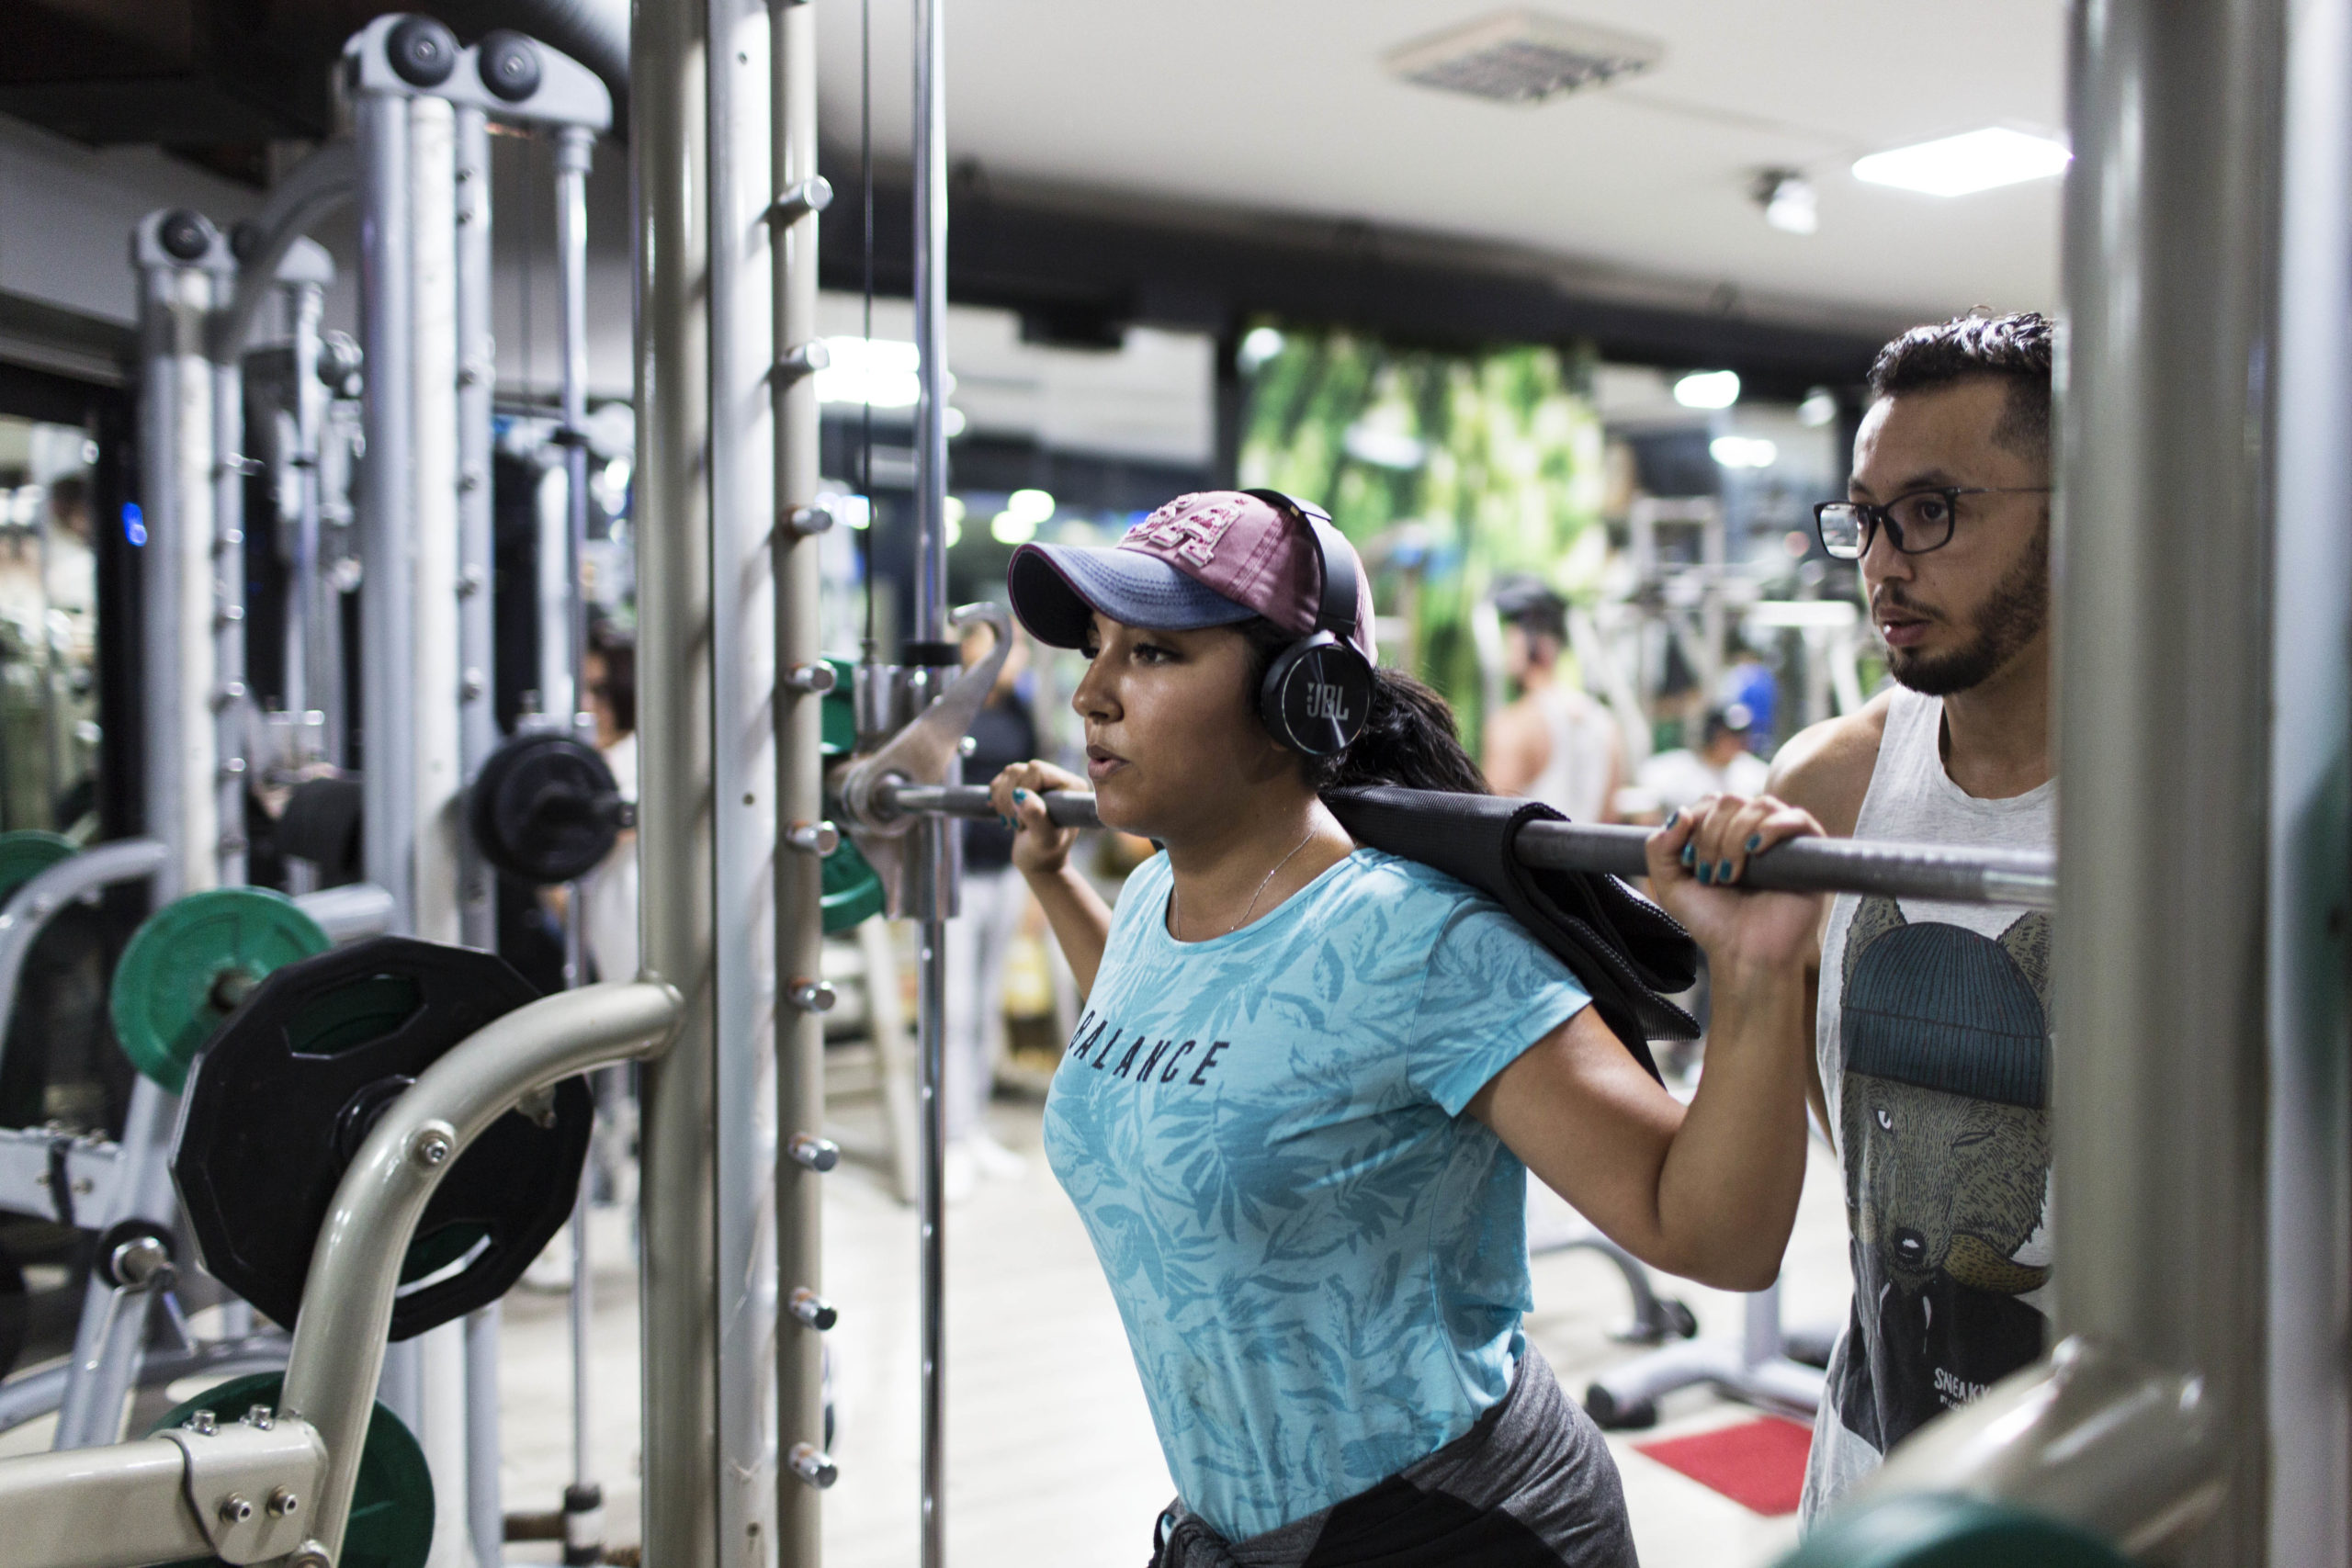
[(1176, 912)]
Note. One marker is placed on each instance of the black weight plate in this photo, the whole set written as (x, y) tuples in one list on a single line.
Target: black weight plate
[(284, 1095), (545, 808)]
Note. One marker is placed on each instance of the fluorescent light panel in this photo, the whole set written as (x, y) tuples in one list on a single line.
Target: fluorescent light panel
[(1961, 166)]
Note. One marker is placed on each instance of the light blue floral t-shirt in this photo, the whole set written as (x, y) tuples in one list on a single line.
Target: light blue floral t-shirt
[(1321, 1262)]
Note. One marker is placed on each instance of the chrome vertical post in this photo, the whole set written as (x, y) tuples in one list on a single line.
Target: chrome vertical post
[(575, 148), (2168, 407), (305, 308), (432, 240), (477, 361), (669, 149), (224, 575), (743, 531), (387, 661), (179, 255), (798, 196), (932, 852), (2311, 807), (477, 372), (566, 703)]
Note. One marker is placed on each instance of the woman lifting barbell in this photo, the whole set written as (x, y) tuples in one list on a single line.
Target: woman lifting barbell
[(1294, 1113)]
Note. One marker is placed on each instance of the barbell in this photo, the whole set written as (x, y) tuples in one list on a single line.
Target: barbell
[(1934, 872)]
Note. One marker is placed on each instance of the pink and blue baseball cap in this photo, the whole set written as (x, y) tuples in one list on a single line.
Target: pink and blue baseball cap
[(1211, 558)]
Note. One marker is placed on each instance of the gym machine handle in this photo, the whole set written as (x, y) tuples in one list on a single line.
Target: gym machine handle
[(1801, 865), (339, 1339)]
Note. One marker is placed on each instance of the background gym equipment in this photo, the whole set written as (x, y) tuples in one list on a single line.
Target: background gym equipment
[(193, 962), (284, 1096), (877, 802), (25, 852), (391, 1499), (545, 808), (282, 1481)]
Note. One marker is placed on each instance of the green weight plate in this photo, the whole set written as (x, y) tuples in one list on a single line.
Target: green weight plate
[(1949, 1532), (191, 962), (392, 1505), (840, 710), (26, 853), (852, 889)]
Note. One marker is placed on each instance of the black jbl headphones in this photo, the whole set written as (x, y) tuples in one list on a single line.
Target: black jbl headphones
[(1318, 692)]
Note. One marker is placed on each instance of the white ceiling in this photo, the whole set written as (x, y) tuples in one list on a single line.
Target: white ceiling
[(1282, 106)]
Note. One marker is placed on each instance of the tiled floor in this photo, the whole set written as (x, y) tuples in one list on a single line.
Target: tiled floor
[(1052, 1462)]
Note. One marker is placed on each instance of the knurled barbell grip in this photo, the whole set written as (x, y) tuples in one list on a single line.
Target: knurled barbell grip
[(820, 1155), (813, 1310), (813, 1465)]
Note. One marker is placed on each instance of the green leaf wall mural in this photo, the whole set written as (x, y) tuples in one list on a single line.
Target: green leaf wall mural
[(1447, 470)]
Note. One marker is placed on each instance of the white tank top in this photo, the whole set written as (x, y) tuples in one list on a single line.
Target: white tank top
[(1575, 782), (1934, 1046)]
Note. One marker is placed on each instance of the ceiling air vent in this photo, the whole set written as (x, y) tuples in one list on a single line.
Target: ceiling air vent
[(1523, 57)]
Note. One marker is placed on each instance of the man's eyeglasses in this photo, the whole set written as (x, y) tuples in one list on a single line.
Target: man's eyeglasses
[(1917, 523)]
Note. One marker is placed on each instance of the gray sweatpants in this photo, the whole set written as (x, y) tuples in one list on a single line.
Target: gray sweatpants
[(1531, 1486)]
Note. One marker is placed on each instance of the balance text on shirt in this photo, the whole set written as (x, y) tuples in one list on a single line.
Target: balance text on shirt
[(1320, 1261)]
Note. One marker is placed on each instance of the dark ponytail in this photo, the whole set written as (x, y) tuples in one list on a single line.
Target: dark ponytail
[(1408, 739)]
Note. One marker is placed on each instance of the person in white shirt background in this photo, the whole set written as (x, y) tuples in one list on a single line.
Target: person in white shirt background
[(1721, 765), (1552, 743)]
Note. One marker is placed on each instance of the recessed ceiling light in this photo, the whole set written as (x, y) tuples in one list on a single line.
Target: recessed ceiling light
[(1742, 452), (1959, 165), (1786, 197), (1523, 57), (1708, 389)]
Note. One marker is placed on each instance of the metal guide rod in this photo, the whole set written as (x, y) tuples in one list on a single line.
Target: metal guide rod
[(386, 690), (224, 575), (669, 151), (477, 732), (2311, 863), (799, 799), (2161, 1086), (432, 543), (305, 306), (574, 153), (932, 849), (742, 478), (1930, 871), (477, 375)]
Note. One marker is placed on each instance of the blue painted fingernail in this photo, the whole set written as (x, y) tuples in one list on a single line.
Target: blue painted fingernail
[(1706, 873), (1673, 818), (1690, 853), (1755, 842), (1723, 871), (1005, 821), (1021, 794)]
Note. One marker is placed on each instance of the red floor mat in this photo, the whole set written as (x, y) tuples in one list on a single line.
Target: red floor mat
[(1759, 1464)]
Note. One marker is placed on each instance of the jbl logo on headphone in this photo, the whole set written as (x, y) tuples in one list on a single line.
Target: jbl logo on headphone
[(1328, 700)]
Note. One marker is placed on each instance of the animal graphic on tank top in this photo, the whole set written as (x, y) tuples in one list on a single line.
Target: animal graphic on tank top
[(1943, 1121)]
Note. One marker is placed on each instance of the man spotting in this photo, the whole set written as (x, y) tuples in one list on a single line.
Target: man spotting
[(1931, 1029)]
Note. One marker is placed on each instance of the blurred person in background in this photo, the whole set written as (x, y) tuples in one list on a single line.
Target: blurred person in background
[(1552, 743), (980, 936), (608, 920), (1750, 682), (1722, 765)]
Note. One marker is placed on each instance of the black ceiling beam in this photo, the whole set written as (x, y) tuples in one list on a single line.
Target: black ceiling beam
[(1078, 275)]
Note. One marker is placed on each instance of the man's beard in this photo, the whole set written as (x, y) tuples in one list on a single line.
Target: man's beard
[(2011, 618)]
